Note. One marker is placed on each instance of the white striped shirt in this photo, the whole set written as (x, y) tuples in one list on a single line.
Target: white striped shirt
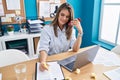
[(52, 44)]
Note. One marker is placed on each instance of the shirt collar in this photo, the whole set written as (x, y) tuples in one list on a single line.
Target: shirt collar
[(58, 29)]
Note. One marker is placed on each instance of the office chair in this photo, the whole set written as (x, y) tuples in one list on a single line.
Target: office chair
[(116, 49), (12, 56)]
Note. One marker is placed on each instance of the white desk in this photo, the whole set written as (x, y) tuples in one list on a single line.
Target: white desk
[(18, 36)]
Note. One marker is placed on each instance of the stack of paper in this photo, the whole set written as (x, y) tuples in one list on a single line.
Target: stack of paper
[(34, 21), (35, 25)]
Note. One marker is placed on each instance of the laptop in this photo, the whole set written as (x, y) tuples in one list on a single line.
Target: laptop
[(79, 60)]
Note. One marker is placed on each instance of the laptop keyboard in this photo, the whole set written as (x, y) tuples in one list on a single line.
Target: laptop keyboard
[(70, 65)]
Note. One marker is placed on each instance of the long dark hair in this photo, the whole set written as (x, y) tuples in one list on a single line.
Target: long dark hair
[(68, 27)]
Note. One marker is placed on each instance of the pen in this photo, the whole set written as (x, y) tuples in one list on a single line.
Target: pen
[(61, 79)]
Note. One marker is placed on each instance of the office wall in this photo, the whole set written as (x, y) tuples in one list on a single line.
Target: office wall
[(31, 8), (96, 17), (87, 20), (86, 9)]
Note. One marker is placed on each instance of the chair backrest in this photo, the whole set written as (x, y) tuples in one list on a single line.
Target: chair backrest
[(116, 49), (12, 56)]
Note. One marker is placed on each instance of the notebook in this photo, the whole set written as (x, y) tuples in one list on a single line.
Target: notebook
[(113, 74), (80, 59), (54, 72)]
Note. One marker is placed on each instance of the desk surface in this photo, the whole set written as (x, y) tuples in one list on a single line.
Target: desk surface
[(9, 74)]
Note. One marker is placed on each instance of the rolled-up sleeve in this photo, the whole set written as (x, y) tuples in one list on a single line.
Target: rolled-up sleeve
[(73, 38), (44, 40)]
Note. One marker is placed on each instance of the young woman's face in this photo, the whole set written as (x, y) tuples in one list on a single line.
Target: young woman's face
[(64, 16)]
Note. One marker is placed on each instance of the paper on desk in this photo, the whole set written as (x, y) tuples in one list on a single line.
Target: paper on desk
[(54, 72), (0, 76), (107, 58), (113, 74), (34, 21)]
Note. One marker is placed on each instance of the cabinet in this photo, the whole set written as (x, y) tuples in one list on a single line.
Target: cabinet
[(27, 40), (0, 45), (36, 39), (18, 44)]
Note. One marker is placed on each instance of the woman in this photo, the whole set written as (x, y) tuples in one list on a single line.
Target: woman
[(59, 36)]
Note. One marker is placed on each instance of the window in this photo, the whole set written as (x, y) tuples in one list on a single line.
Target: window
[(110, 22)]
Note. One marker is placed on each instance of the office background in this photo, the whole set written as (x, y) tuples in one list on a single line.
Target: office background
[(87, 10), (82, 8)]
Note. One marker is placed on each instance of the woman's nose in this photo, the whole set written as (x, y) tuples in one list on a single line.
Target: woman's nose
[(64, 17)]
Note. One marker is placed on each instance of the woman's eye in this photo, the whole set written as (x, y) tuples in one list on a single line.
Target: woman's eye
[(67, 17), (62, 14)]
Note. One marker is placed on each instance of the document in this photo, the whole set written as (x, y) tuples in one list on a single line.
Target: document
[(54, 72), (35, 21), (13, 5), (1, 9), (44, 8), (0, 76), (107, 58), (113, 74)]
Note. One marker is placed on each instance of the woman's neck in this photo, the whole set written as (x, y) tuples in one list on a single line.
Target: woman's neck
[(61, 27)]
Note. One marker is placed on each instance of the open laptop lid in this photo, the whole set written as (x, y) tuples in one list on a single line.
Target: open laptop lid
[(80, 59)]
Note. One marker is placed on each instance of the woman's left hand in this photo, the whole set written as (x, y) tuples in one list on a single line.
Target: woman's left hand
[(77, 24)]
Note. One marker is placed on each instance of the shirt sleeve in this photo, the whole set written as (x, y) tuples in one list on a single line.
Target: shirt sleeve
[(44, 40), (73, 38)]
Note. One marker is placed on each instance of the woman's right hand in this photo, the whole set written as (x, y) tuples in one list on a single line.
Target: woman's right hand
[(44, 66)]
